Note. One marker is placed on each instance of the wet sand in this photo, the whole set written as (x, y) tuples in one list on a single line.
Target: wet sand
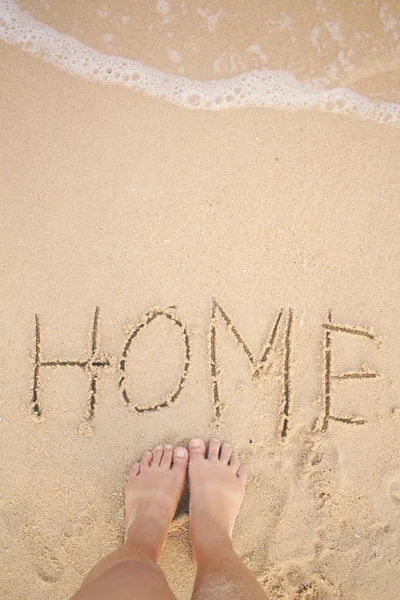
[(245, 266)]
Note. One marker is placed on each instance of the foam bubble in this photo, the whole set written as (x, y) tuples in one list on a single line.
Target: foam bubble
[(262, 88), (174, 56), (162, 7)]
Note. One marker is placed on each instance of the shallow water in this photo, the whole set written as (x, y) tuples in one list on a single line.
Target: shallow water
[(329, 55)]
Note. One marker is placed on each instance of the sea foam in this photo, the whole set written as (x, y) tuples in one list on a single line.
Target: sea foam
[(258, 88)]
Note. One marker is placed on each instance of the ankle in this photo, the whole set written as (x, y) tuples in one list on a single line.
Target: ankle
[(207, 544), (144, 541), (140, 551)]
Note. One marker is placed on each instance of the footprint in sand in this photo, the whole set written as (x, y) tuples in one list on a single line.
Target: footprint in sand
[(394, 491), (295, 582), (48, 566), (24, 523)]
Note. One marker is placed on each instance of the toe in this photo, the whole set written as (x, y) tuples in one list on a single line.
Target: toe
[(242, 475), (234, 463), (226, 452), (167, 456), (213, 450), (146, 459), (197, 449), (157, 456), (134, 470), (180, 459)]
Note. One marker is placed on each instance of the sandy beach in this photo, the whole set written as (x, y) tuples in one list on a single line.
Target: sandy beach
[(169, 273)]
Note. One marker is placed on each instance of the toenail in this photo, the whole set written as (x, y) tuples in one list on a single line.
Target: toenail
[(158, 448), (180, 453), (168, 447), (215, 441), (195, 443)]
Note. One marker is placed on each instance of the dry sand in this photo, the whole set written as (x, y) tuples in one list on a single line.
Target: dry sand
[(202, 226)]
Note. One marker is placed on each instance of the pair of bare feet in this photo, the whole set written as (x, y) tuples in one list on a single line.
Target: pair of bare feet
[(155, 485)]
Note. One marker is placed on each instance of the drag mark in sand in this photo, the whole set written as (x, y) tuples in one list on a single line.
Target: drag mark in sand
[(328, 370), (349, 329), (35, 400), (213, 363), (149, 317), (257, 365), (97, 361), (118, 365), (92, 364), (286, 375), (356, 375), (94, 375), (327, 374)]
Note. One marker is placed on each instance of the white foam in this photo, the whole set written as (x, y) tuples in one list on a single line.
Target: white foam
[(162, 7), (210, 19), (262, 88), (387, 19), (174, 56), (334, 30)]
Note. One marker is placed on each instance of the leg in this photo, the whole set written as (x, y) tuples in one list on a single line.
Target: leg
[(216, 492), (152, 495)]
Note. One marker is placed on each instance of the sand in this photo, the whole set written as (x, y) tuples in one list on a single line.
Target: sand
[(167, 273)]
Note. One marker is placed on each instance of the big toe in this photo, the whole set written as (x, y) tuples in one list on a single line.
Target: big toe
[(197, 449)]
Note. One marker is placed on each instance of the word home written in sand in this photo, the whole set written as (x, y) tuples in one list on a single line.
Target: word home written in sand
[(97, 361)]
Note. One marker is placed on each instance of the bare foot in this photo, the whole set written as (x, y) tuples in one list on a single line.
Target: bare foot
[(217, 486), (152, 494)]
